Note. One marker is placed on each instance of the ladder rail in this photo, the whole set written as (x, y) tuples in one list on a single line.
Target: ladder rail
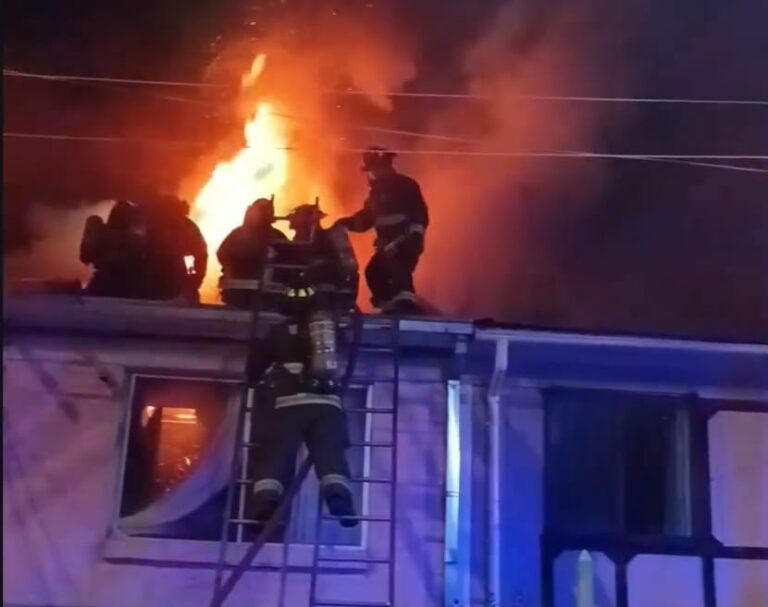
[(357, 329), (246, 406), (394, 460), (391, 520), (264, 535), (240, 450)]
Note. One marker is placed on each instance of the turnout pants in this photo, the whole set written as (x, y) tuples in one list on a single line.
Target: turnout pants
[(321, 427), (390, 275)]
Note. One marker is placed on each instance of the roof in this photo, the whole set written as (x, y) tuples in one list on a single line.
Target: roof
[(539, 355)]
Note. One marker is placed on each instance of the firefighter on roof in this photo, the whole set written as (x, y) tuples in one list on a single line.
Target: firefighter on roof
[(396, 209), (295, 374), (245, 250), (116, 251), (178, 253), (140, 251)]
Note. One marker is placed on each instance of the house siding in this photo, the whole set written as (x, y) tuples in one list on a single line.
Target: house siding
[(65, 400)]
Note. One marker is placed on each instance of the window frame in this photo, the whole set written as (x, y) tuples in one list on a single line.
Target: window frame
[(622, 547), (123, 548)]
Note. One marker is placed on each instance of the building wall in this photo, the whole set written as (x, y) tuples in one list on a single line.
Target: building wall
[(65, 401)]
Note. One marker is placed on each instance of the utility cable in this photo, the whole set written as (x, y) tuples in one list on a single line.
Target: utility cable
[(684, 159), (416, 94), (417, 152)]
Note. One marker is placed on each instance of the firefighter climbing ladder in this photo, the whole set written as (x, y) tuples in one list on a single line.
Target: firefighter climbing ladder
[(239, 478)]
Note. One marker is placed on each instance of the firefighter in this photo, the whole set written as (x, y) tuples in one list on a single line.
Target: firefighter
[(332, 267), (244, 251), (295, 372), (177, 250), (396, 209), (116, 251)]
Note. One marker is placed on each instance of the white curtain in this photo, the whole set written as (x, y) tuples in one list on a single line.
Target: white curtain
[(210, 477)]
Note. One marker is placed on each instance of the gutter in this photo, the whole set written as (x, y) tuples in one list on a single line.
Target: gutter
[(500, 365)]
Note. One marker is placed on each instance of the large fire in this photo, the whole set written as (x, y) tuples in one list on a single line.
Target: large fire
[(258, 170), (288, 150)]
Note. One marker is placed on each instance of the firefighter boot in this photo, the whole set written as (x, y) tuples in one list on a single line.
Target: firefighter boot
[(338, 498), (405, 307), (266, 499)]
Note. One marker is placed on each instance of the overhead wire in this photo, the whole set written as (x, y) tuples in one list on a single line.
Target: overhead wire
[(103, 139), (688, 159), (679, 159), (70, 78), (406, 94), (567, 98), (692, 160)]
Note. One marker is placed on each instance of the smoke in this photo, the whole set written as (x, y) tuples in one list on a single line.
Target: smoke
[(53, 252), (500, 224), (579, 243)]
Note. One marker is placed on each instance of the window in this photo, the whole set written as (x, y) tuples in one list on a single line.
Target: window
[(617, 463), (670, 489), (181, 433)]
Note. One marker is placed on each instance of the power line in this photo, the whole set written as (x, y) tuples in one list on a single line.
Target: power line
[(566, 154), (68, 78), (711, 165), (386, 131), (97, 139), (567, 98), (686, 159), (423, 95)]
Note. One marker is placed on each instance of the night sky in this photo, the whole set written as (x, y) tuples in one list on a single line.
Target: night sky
[(660, 249)]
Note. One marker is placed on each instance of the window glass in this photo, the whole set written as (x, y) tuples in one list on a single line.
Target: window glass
[(618, 462), (173, 423), (739, 477), (665, 581), (741, 583)]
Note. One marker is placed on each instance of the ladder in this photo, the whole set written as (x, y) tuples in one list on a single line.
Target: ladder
[(390, 519), (239, 478)]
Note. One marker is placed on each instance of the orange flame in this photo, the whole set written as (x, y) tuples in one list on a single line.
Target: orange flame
[(258, 170)]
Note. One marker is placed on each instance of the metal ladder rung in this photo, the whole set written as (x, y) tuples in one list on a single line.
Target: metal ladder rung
[(292, 243), (374, 349), (371, 481), (245, 521), (357, 479), (351, 604), (289, 266), (350, 559), (380, 410), (366, 518)]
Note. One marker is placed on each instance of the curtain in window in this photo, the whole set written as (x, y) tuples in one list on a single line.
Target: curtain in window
[(209, 478), (619, 462)]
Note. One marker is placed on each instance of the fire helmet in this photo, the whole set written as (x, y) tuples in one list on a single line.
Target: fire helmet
[(305, 213), (377, 157), (259, 212), (124, 214)]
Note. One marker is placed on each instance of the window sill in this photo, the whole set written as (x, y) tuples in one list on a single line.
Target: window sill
[(125, 549)]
